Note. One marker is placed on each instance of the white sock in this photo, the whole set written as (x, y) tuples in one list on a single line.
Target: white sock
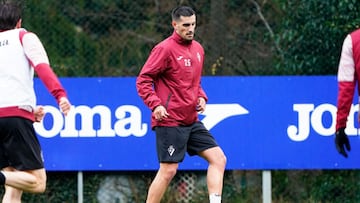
[(215, 198)]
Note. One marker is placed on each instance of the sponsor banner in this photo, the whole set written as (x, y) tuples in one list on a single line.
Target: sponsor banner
[(267, 122)]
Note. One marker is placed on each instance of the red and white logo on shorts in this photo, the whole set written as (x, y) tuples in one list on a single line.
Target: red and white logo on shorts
[(171, 150)]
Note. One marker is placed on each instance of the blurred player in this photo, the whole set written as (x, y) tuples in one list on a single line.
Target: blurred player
[(22, 53), (348, 77)]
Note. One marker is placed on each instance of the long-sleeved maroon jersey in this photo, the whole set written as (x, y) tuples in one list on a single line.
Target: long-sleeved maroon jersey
[(172, 77)]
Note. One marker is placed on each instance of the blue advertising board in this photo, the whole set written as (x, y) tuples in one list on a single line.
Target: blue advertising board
[(262, 123)]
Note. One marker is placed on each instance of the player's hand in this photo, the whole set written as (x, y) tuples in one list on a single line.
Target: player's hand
[(160, 113), (201, 105), (64, 105), (342, 142), (39, 113)]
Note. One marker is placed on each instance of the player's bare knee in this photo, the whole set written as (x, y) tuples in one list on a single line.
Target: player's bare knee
[(168, 172), (40, 187), (223, 160), (37, 185), (220, 161)]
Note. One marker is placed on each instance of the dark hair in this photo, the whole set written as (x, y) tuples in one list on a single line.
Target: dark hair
[(181, 11), (10, 14)]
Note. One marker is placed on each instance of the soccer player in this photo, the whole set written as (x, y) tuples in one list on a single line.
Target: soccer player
[(170, 85), (348, 77), (22, 54)]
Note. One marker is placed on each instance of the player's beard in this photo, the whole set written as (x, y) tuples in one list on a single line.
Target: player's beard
[(189, 37)]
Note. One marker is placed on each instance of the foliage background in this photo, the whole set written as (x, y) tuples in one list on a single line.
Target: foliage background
[(88, 38), (248, 37)]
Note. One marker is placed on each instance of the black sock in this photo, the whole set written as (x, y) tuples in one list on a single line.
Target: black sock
[(2, 179)]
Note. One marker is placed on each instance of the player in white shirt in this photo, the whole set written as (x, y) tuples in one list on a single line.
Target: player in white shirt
[(21, 55)]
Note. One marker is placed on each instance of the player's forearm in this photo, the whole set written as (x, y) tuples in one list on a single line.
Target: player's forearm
[(50, 80), (345, 98)]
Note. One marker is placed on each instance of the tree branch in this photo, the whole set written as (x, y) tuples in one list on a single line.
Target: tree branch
[(272, 35)]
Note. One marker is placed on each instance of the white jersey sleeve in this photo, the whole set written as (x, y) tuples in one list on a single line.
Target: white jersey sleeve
[(34, 49), (346, 70)]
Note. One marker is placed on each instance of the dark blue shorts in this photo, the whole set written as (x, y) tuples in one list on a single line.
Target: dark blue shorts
[(173, 142), (19, 146)]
